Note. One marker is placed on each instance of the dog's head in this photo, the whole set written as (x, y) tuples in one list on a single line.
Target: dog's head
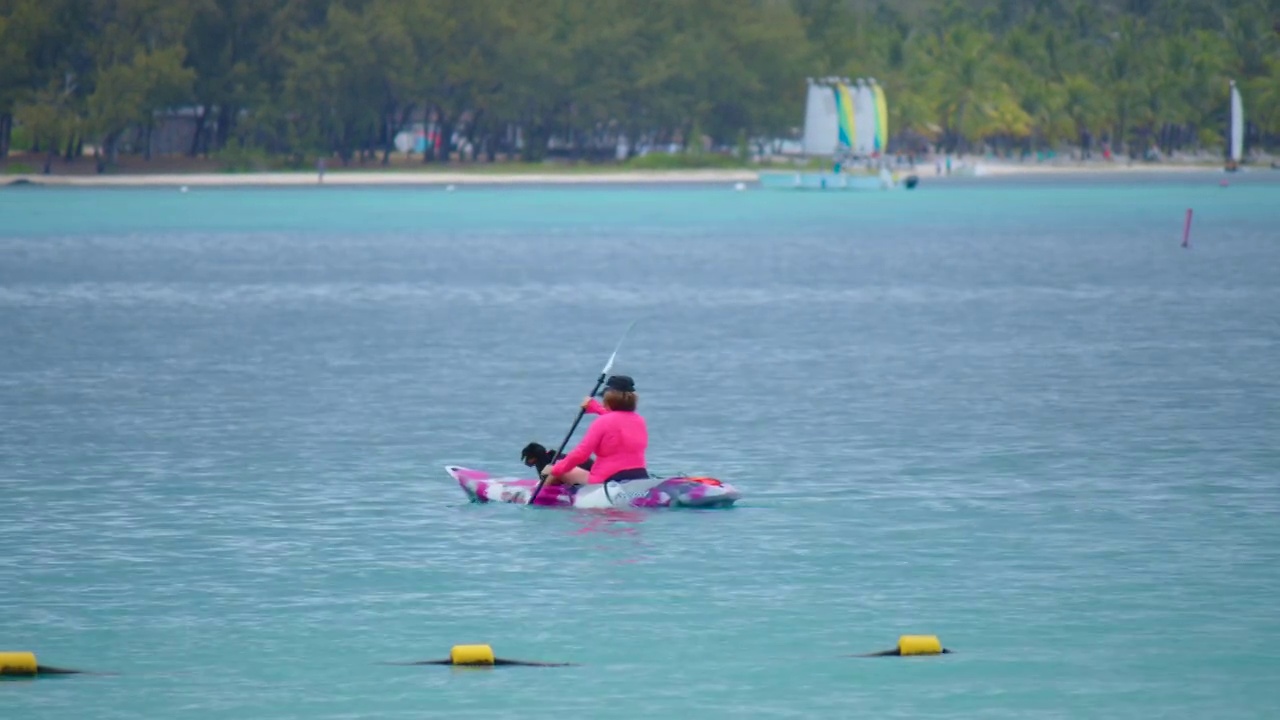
[(534, 454)]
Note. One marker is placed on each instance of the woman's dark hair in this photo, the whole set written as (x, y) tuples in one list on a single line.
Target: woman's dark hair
[(617, 400)]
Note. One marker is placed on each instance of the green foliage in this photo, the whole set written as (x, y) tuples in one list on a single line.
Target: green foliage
[(21, 139), (280, 82), (236, 158)]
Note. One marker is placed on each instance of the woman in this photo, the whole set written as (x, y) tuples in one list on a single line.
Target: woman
[(618, 438)]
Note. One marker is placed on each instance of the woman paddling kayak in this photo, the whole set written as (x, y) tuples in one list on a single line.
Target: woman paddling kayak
[(618, 438)]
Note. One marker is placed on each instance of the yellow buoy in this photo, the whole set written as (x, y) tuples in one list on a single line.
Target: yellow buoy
[(911, 645), (919, 645), (18, 663), (471, 655), (479, 655)]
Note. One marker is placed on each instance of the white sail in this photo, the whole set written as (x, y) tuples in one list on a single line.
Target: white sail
[(1237, 124), (864, 113), (821, 124)]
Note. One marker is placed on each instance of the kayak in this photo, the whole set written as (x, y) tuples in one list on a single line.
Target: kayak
[(667, 492)]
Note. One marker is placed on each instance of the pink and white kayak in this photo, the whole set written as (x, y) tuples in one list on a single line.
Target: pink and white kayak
[(668, 492)]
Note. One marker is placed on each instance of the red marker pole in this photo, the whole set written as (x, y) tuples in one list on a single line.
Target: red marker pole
[(1186, 230)]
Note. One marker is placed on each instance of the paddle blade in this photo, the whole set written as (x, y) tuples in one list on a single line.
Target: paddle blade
[(612, 356)]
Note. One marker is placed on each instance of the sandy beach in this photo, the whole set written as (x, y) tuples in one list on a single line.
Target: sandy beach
[(365, 177), (487, 175)]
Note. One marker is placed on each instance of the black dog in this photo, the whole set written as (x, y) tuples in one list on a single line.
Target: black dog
[(535, 455)]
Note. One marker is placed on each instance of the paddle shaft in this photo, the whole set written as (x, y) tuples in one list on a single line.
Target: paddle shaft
[(565, 443)]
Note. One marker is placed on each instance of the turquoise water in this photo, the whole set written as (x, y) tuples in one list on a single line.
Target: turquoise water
[(1014, 414)]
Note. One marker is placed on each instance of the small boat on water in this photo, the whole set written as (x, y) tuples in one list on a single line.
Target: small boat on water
[(835, 180), (659, 492), (848, 122)]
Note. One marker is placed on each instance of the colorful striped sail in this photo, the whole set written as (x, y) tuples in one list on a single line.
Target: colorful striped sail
[(844, 102), (882, 119)]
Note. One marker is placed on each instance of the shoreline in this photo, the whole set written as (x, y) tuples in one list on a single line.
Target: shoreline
[(347, 178), (577, 176)]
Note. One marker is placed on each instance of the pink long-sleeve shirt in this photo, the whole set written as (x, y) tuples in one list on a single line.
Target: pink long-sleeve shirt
[(618, 440)]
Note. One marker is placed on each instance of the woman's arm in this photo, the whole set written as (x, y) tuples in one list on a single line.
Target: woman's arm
[(578, 455)]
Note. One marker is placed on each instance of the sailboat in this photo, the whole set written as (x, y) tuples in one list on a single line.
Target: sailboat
[(1237, 129), (847, 122)]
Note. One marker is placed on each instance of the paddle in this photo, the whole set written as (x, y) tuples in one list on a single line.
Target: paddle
[(604, 375)]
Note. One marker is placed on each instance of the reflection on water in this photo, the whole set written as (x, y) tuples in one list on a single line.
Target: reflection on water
[(616, 523)]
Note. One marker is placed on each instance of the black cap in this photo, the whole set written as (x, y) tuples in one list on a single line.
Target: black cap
[(621, 383)]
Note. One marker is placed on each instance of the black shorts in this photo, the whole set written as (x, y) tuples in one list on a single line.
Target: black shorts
[(630, 474)]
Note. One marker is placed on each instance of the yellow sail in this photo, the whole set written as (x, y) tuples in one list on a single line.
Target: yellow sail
[(882, 118), (844, 101)]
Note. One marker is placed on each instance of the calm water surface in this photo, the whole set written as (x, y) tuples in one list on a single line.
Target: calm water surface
[(1014, 414)]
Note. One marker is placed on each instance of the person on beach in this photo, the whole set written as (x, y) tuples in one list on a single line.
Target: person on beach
[(619, 439)]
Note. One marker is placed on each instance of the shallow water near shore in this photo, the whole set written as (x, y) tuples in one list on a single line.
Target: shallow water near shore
[(1013, 413)]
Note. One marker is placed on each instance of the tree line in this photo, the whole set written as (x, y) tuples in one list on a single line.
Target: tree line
[(298, 79)]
